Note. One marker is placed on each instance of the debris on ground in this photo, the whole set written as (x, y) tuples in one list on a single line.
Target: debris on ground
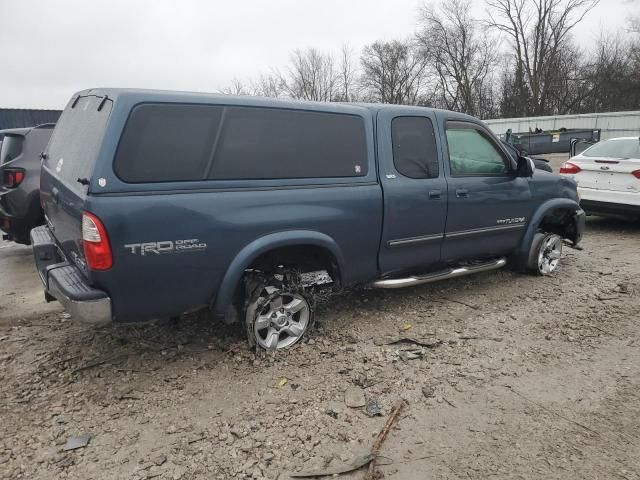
[(396, 339), (375, 450), (74, 443), (411, 354), (354, 397), (428, 391), (374, 408), (355, 464)]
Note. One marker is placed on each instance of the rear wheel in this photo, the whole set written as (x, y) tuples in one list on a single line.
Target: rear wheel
[(278, 315), (545, 253)]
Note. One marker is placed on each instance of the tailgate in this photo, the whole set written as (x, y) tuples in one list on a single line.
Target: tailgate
[(67, 169)]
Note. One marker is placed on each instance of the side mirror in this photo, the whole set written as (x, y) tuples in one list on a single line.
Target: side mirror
[(525, 168)]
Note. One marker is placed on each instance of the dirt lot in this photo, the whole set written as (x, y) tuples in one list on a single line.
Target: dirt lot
[(518, 377)]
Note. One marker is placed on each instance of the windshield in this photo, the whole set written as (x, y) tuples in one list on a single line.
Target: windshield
[(11, 148), (622, 148)]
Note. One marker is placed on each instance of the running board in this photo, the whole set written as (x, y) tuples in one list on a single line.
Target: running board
[(441, 275)]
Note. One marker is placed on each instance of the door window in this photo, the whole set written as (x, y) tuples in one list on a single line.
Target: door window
[(472, 154), (415, 154)]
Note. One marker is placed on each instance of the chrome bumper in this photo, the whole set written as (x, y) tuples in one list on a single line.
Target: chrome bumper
[(63, 281)]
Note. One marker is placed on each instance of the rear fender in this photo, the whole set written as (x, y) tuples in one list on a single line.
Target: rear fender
[(262, 245)]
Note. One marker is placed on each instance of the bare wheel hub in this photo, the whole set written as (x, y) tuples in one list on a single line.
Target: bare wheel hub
[(281, 320), (550, 253)]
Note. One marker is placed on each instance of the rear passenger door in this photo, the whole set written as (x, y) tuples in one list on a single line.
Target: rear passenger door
[(489, 206), (415, 190)]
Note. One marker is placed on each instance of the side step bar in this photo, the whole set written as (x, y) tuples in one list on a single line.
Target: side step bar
[(441, 275)]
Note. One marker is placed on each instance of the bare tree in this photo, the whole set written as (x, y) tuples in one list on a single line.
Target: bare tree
[(613, 75), (311, 76), (347, 76), (461, 56), (393, 72), (268, 86), (237, 87), (539, 34)]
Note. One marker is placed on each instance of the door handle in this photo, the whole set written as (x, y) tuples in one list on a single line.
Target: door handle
[(435, 194), (54, 195), (462, 193)]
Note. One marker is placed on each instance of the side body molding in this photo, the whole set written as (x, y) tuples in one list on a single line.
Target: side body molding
[(253, 250)]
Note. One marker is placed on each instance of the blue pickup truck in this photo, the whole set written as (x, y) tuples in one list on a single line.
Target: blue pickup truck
[(162, 203)]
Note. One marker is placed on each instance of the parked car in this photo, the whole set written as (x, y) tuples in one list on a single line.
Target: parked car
[(608, 176), (20, 209), (539, 162), (160, 203)]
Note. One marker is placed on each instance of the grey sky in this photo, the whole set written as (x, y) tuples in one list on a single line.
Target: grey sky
[(50, 49)]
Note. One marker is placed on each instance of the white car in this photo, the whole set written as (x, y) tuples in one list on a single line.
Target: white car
[(608, 176)]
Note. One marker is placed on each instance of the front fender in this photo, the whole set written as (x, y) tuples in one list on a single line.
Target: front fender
[(538, 216), (245, 257)]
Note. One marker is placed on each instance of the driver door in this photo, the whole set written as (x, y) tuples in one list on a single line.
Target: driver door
[(488, 204)]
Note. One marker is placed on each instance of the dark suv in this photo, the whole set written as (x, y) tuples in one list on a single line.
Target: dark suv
[(20, 159), (160, 203)]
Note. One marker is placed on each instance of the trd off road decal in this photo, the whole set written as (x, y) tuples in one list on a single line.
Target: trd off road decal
[(510, 221), (166, 246)]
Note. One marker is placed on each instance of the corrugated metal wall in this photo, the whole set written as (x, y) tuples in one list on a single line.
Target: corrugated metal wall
[(23, 117), (615, 124)]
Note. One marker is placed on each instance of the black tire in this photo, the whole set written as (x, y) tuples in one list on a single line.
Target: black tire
[(544, 254)]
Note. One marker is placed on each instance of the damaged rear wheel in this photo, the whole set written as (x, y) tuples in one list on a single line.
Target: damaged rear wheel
[(277, 316)]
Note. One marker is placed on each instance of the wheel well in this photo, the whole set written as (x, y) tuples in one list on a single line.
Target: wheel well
[(304, 258), (560, 221)]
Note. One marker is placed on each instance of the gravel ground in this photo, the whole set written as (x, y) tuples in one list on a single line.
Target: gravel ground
[(516, 377)]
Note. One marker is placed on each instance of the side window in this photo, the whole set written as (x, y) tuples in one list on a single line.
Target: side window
[(415, 154), (471, 153), (267, 143), (167, 143)]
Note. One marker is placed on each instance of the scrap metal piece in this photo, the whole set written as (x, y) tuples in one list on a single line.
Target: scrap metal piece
[(74, 443)]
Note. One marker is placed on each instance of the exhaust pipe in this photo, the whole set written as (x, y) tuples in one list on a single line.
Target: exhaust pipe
[(436, 276)]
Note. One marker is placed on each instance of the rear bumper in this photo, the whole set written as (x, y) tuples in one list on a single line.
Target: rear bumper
[(621, 197), (63, 281), (608, 208)]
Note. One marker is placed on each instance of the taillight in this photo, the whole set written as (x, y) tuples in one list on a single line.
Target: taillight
[(13, 178), (95, 241), (636, 173), (570, 168)]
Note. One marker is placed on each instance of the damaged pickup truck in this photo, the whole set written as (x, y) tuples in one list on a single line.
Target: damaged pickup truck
[(162, 203)]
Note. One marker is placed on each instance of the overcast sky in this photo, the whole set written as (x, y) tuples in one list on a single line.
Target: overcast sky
[(51, 49)]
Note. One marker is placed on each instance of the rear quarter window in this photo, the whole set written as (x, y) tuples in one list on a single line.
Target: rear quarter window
[(174, 142), (415, 153)]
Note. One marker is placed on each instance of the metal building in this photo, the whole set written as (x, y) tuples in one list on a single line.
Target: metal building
[(26, 117), (614, 124)]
